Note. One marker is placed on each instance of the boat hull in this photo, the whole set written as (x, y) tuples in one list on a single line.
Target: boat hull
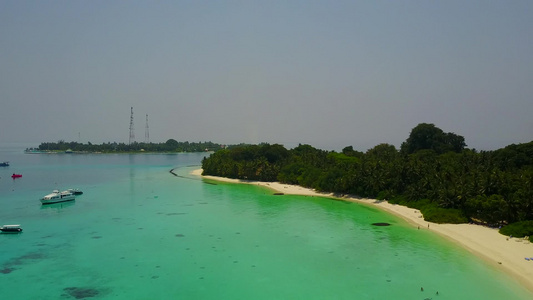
[(52, 201), (11, 230)]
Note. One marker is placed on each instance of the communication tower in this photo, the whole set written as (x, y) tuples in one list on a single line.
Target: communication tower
[(146, 133), (132, 131)]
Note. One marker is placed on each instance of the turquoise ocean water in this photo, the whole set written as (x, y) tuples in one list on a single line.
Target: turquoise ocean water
[(139, 232)]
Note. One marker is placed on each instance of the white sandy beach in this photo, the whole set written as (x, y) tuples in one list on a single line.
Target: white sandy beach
[(507, 254)]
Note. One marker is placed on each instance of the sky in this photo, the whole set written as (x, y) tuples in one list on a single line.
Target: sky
[(326, 73)]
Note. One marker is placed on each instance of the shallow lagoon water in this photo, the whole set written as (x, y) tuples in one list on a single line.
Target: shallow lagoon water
[(139, 232)]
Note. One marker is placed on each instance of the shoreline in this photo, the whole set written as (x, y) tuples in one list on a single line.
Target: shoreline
[(501, 252), (110, 152)]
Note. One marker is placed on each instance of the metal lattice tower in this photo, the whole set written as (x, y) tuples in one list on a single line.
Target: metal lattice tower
[(146, 132), (132, 131)]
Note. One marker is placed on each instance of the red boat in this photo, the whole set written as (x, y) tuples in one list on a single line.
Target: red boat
[(16, 175)]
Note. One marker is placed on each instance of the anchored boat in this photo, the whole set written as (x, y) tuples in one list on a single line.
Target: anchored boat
[(11, 228), (57, 196), (75, 191)]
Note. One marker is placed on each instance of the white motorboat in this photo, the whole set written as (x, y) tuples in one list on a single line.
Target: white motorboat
[(11, 228), (57, 196)]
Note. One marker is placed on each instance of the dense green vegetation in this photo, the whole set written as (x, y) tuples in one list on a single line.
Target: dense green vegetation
[(170, 145), (519, 229), (433, 172)]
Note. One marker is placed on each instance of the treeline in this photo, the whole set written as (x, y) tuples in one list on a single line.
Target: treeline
[(170, 145), (432, 171)]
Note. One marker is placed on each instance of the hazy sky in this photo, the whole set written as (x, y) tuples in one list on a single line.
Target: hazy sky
[(326, 73)]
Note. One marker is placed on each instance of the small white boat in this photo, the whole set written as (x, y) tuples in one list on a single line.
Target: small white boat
[(75, 191), (57, 196), (11, 228)]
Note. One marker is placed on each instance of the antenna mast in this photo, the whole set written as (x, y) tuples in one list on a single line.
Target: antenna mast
[(146, 133), (132, 133)]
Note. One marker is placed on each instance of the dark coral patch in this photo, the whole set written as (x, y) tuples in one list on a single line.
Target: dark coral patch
[(34, 255), (81, 293), (8, 267), (381, 224), (6, 270)]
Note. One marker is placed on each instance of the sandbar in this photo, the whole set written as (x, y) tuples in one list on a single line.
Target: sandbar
[(505, 253)]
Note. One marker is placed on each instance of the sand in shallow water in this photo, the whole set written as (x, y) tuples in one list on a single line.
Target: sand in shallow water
[(506, 253)]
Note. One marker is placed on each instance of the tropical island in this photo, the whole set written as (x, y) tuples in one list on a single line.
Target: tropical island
[(170, 146), (432, 172)]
